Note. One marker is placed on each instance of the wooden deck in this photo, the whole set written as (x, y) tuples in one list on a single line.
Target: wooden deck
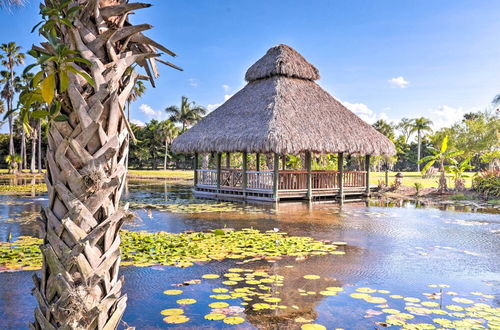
[(259, 185)]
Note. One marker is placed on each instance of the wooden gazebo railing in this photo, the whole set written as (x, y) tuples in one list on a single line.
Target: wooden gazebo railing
[(276, 184), (288, 180)]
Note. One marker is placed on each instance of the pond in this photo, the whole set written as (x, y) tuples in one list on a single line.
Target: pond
[(395, 266)]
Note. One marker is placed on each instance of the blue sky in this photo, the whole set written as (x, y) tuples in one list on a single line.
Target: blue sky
[(383, 59)]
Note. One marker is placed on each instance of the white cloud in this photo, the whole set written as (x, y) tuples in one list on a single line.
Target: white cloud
[(152, 113), (364, 112), (212, 107), (226, 88), (445, 116), (193, 82), (398, 82), (138, 122)]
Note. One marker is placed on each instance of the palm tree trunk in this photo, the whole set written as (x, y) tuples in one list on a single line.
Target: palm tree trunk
[(39, 141), (443, 186), (23, 149), (418, 150), (80, 286), (11, 130), (166, 155), (33, 154)]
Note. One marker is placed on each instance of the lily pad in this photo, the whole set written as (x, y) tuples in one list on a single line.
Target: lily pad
[(234, 320), (176, 319), (215, 316), (172, 292), (172, 311), (187, 301)]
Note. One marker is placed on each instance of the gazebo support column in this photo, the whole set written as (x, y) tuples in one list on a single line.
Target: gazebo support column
[(195, 167), (245, 176), (309, 175), (276, 176), (219, 161), (283, 160), (367, 168), (386, 173), (341, 177), (228, 160), (257, 162)]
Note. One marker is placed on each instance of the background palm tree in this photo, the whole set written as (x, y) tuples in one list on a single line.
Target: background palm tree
[(10, 56), (188, 114), (420, 126), (385, 128), (168, 133), (138, 90), (405, 126)]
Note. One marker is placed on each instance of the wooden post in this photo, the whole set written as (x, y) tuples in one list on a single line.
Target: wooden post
[(283, 160), (276, 175), (367, 169), (219, 158), (228, 160), (245, 177), (341, 177), (309, 175), (386, 173), (257, 162), (195, 166)]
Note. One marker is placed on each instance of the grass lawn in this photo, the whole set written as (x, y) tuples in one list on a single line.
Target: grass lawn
[(409, 178), (168, 174)]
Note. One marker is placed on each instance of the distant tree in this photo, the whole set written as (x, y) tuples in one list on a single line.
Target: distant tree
[(496, 100), (168, 134), (405, 126), (440, 156), (138, 90), (385, 128), (187, 114), (420, 126), (10, 57), (458, 169)]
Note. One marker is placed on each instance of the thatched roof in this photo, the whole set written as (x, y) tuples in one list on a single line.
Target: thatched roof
[(283, 110)]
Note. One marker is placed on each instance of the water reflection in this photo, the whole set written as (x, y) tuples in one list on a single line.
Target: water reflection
[(399, 247)]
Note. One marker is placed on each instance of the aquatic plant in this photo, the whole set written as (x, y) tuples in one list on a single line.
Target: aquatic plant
[(141, 248), (25, 188)]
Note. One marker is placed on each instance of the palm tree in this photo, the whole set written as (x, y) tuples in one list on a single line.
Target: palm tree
[(168, 133), (420, 125), (405, 125), (440, 156), (138, 90), (83, 80), (458, 169), (188, 114), (385, 128), (10, 56)]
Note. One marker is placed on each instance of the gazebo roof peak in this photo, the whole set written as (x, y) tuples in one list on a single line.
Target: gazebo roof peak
[(282, 60)]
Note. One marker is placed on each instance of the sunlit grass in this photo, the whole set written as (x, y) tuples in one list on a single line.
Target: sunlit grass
[(169, 174), (409, 179)]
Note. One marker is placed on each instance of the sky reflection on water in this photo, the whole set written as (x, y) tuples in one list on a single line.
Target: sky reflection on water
[(399, 249)]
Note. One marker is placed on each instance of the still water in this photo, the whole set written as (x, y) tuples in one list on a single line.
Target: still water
[(416, 258)]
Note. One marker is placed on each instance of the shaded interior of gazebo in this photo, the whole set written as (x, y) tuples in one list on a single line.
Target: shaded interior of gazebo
[(281, 111)]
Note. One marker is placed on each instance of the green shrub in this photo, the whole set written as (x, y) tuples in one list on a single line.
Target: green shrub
[(487, 183), (418, 187)]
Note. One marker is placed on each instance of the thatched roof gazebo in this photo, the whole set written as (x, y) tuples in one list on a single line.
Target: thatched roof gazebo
[(282, 110)]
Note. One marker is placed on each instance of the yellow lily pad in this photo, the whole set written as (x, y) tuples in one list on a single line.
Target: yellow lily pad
[(172, 292), (210, 276), (172, 311), (234, 320), (176, 319), (187, 301), (215, 316), (313, 326), (312, 277)]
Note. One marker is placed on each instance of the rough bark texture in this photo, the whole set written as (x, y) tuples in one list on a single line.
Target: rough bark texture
[(80, 287)]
